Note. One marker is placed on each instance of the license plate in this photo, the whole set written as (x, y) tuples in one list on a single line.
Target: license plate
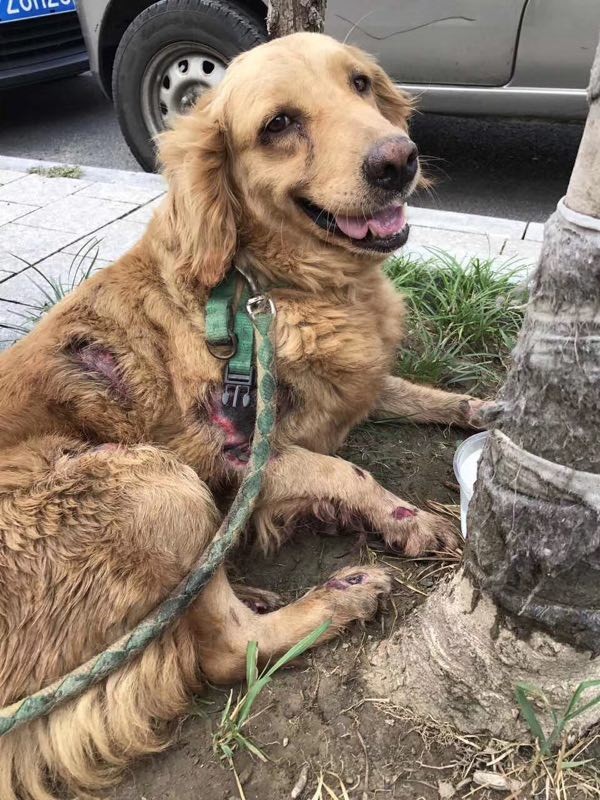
[(14, 10)]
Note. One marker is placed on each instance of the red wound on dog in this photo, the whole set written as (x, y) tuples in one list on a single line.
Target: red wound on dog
[(345, 583), (402, 513), (99, 362)]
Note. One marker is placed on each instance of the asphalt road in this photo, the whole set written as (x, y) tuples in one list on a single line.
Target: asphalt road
[(502, 168)]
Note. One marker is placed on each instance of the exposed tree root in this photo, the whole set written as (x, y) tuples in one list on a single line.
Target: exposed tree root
[(458, 659)]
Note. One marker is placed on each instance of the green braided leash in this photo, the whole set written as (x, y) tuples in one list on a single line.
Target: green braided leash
[(131, 644)]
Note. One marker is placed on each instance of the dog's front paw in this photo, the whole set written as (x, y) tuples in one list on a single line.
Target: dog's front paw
[(416, 533), (479, 414)]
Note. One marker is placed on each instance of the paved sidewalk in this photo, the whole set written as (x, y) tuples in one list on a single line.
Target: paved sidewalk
[(50, 226)]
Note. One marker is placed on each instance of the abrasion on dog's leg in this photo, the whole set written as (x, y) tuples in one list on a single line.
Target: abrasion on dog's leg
[(300, 483)]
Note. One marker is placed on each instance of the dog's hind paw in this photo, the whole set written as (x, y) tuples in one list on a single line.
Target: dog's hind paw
[(354, 593), (261, 601)]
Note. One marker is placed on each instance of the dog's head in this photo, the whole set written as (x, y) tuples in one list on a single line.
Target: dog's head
[(305, 139)]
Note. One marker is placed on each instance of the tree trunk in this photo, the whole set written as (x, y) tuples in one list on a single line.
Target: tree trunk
[(290, 16), (526, 607), (535, 520)]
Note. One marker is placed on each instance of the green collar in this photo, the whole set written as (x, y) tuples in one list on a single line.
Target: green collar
[(230, 336)]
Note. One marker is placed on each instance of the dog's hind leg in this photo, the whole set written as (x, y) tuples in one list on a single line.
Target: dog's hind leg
[(224, 624), (91, 539), (413, 402)]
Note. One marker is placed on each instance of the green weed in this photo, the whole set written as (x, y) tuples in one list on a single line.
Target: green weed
[(526, 694), (230, 736), (58, 171)]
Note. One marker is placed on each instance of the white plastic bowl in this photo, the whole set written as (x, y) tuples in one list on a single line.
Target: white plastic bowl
[(466, 461)]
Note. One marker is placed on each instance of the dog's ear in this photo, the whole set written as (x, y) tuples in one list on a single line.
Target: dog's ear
[(395, 105), (203, 207)]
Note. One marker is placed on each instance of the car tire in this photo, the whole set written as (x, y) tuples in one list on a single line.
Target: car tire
[(148, 84)]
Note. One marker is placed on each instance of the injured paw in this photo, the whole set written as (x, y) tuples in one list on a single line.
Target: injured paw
[(344, 583), (353, 593), (260, 601)]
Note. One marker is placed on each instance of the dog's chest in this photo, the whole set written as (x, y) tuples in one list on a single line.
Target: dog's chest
[(337, 351)]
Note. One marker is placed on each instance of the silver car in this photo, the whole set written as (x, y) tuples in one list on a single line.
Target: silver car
[(525, 58)]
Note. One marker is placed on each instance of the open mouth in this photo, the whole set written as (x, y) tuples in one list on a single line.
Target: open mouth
[(384, 231)]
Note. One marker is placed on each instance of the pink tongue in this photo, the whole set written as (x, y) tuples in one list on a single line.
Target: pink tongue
[(353, 227), (385, 223)]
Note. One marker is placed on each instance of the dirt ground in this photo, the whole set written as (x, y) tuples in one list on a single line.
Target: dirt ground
[(316, 713)]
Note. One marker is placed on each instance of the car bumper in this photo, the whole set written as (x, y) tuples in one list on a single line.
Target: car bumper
[(58, 68), (41, 49)]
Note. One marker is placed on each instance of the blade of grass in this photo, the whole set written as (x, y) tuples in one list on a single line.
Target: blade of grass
[(522, 692), (293, 653), (251, 663)]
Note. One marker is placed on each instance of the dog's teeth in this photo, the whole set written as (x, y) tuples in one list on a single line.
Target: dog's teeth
[(387, 223)]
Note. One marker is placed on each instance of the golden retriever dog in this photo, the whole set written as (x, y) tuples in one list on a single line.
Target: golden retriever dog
[(118, 457)]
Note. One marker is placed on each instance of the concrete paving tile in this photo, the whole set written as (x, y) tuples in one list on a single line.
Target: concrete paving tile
[(522, 250), (31, 284), (468, 223), (24, 294), (122, 192), (32, 245), (535, 232), (9, 175), (38, 190), (9, 264), (76, 214), (113, 240), (144, 213), (429, 242), (10, 211)]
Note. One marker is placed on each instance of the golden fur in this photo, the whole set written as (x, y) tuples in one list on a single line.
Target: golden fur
[(113, 475)]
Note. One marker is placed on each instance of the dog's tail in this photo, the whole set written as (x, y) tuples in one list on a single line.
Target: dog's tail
[(84, 745)]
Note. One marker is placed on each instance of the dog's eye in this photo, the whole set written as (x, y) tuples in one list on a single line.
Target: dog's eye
[(278, 124), (361, 83)]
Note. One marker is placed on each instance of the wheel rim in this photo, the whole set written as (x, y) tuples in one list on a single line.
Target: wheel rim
[(174, 79)]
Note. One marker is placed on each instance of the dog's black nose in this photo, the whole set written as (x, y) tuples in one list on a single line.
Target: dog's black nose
[(392, 163)]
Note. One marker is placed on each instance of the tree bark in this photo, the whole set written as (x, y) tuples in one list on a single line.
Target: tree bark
[(583, 194), (535, 519), (526, 606), (290, 16)]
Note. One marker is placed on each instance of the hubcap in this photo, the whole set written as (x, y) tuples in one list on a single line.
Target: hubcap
[(174, 79)]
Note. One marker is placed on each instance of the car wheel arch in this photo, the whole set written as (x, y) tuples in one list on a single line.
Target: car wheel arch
[(120, 14)]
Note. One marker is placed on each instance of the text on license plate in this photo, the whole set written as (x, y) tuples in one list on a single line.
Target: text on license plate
[(13, 10)]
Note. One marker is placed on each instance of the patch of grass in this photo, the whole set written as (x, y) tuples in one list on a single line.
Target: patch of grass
[(229, 736), (52, 290), (463, 320), (57, 172)]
